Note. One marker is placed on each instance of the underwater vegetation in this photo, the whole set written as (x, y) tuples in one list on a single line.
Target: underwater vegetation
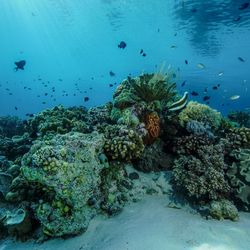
[(63, 166)]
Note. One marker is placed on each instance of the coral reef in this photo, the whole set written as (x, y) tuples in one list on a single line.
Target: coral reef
[(122, 143), (59, 120), (201, 113), (66, 171), (202, 176), (223, 209), (239, 176), (10, 126), (154, 158), (238, 138), (242, 118), (199, 129), (152, 123)]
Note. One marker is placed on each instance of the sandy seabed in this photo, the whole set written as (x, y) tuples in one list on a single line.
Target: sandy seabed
[(151, 225)]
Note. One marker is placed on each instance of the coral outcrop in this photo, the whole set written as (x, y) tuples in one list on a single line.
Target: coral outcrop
[(239, 176), (201, 113), (58, 120), (65, 171), (122, 143), (223, 209), (201, 176)]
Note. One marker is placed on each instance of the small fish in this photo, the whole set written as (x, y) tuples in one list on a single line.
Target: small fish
[(16, 108), (20, 65), (234, 97), (144, 54), (236, 19), (215, 87), (141, 51), (244, 6), (194, 93), (201, 66), (173, 47), (241, 59), (111, 73), (86, 99), (205, 98), (186, 61), (43, 102), (111, 85), (194, 10), (183, 84), (221, 73), (122, 45)]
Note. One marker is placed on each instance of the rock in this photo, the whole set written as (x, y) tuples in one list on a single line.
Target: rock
[(133, 176)]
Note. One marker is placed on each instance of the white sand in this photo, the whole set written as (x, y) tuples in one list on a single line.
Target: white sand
[(150, 225)]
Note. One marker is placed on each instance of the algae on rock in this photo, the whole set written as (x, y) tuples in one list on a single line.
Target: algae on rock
[(67, 170)]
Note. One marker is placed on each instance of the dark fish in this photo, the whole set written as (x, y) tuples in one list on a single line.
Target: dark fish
[(15, 108), (60, 79), (205, 90), (158, 30), (183, 84), (194, 10), (90, 88), (122, 45), (111, 85), (215, 87), (205, 98), (144, 54), (46, 94), (244, 6), (86, 99), (20, 65), (141, 51), (111, 73), (43, 102), (207, 103), (193, 93), (241, 59), (186, 61), (237, 19)]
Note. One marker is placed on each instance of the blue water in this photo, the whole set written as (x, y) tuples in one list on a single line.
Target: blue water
[(72, 45)]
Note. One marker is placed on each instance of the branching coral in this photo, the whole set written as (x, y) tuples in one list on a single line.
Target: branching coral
[(202, 176), (202, 113)]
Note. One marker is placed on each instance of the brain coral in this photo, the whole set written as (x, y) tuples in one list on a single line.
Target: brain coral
[(201, 113), (66, 169)]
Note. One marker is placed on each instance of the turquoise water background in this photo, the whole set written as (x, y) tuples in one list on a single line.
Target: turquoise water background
[(72, 45)]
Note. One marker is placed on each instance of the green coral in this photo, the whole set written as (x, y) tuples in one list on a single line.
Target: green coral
[(65, 170), (201, 176), (239, 176), (122, 143), (59, 120), (223, 209), (202, 113)]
